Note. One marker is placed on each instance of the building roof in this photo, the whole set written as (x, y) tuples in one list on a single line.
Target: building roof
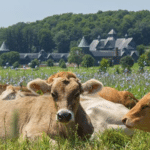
[(112, 32), (83, 43), (4, 47)]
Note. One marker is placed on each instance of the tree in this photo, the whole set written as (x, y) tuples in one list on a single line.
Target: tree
[(147, 55), (75, 55), (16, 64), (127, 62), (63, 64), (140, 49), (62, 42), (34, 63), (88, 61), (50, 62), (104, 64), (45, 39), (9, 57), (60, 61), (142, 62)]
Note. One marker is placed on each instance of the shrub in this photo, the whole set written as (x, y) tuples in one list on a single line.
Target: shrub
[(110, 60), (104, 64), (16, 64), (88, 61), (34, 63), (140, 49), (63, 64), (127, 62), (50, 63), (60, 61), (9, 57)]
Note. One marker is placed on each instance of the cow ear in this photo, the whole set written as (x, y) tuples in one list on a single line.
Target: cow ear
[(39, 86), (92, 86)]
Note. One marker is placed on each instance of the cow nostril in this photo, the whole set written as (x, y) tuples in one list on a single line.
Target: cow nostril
[(64, 117), (124, 120)]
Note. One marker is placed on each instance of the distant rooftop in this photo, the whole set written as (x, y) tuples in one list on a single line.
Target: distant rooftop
[(4, 47), (83, 43)]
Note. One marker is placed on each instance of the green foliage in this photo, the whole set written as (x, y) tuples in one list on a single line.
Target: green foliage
[(50, 62), (76, 56), (140, 49), (9, 57), (34, 63), (16, 64), (62, 64), (88, 61), (126, 62), (61, 32), (142, 60), (60, 61), (147, 60), (110, 60), (104, 64)]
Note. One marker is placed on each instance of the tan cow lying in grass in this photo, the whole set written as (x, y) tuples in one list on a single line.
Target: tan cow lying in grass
[(14, 92), (2, 88), (139, 116), (123, 97), (58, 113), (103, 113)]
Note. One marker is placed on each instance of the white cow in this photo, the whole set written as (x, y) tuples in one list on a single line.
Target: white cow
[(104, 114)]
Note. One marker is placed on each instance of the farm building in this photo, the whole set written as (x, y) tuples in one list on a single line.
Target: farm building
[(111, 47)]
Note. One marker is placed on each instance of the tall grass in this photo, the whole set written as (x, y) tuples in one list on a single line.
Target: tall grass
[(137, 83)]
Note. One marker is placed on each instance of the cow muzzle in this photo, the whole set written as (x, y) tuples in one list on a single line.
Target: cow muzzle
[(65, 116)]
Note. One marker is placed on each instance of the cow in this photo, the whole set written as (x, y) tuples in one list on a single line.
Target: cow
[(104, 114), (2, 88), (58, 112), (139, 116), (14, 92), (123, 97)]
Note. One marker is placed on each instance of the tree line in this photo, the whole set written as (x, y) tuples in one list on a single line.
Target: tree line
[(59, 33)]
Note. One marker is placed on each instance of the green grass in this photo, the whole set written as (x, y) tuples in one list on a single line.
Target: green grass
[(136, 83)]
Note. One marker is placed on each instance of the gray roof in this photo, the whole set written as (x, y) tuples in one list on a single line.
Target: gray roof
[(83, 43), (111, 43), (4, 47), (103, 53), (112, 31)]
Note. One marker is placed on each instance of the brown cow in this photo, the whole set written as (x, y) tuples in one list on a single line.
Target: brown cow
[(2, 88), (123, 97), (54, 114), (139, 116), (14, 92)]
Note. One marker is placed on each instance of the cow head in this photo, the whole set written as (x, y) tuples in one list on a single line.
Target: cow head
[(13, 92), (139, 116), (65, 94)]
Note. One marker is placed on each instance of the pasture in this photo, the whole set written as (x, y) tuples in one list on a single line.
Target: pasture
[(136, 83)]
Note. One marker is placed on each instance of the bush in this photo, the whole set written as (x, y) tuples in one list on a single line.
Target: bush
[(63, 64), (34, 63), (16, 64), (140, 49), (9, 57), (88, 61), (104, 64), (127, 62), (110, 60), (50, 63), (60, 61)]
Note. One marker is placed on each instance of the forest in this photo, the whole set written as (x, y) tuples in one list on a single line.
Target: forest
[(59, 33)]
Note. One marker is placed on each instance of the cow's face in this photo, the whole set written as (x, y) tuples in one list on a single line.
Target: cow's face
[(66, 94), (139, 116)]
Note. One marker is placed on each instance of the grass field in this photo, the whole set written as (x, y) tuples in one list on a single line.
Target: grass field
[(137, 83)]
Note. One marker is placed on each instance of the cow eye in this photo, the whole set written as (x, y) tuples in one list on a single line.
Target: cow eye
[(145, 107)]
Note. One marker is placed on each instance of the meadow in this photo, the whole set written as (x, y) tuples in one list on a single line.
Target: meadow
[(136, 83)]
